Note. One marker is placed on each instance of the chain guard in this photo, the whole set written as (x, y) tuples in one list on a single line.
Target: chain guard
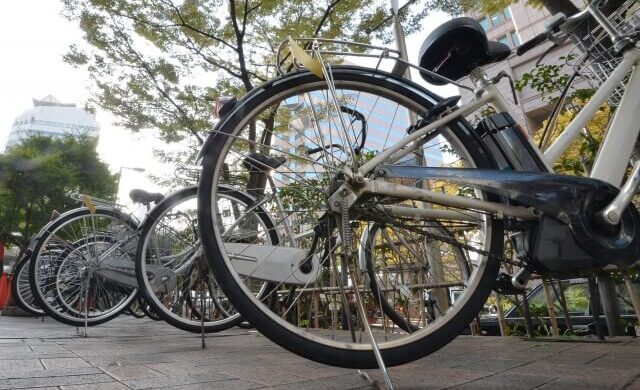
[(568, 238)]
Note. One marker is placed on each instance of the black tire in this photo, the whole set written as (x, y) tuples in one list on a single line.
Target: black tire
[(59, 312), (21, 287), (398, 318), (273, 326), (160, 310)]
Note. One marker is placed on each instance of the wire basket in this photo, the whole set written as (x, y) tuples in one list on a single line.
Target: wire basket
[(595, 55)]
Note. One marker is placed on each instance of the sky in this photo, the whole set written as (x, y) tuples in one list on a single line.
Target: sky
[(32, 43)]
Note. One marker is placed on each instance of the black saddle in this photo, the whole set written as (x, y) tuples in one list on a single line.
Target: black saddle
[(457, 47), (144, 197)]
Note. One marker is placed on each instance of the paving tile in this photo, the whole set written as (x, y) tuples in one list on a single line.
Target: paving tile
[(64, 363), (6, 364), (133, 371), (54, 381), (234, 384), (343, 382), (269, 376), (507, 381), (20, 373), (97, 386), (150, 383)]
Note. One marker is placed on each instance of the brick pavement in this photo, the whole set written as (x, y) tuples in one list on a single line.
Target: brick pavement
[(142, 354)]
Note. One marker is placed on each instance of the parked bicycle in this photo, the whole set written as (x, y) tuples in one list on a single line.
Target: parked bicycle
[(440, 191), (84, 265)]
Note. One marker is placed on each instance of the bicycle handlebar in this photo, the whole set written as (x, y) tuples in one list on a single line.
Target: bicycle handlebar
[(530, 44)]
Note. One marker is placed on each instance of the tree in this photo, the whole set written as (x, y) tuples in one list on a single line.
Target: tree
[(36, 177), (160, 64)]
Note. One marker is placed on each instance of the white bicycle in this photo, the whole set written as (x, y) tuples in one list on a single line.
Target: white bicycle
[(410, 195)]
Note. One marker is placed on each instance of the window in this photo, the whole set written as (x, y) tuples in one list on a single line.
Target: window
[(497, 19), (504, 39), (507, 14), (484, 22), (515, 38)]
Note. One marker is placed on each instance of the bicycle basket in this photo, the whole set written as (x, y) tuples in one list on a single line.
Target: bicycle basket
[(595, 55)]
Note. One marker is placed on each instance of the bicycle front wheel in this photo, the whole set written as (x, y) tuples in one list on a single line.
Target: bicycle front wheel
[(171, 269), (295, 137)]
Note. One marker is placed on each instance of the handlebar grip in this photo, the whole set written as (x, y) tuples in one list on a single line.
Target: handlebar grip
[(528, 45)]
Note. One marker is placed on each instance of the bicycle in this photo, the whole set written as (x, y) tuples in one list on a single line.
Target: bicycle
[(85, 267), (493, 179)]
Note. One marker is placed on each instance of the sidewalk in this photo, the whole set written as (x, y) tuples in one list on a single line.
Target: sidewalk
[(127, 353)]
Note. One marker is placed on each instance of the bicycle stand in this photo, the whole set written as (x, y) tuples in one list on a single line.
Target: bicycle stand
[(374, 383), (202, 315), (374, 345)]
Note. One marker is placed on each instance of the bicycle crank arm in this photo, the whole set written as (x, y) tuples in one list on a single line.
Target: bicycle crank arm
[(278, 264)]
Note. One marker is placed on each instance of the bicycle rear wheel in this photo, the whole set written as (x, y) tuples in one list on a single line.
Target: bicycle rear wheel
[(321, 132), (70, 262)]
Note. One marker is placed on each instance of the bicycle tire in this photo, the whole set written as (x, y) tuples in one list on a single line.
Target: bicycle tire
[(21, 287), (60, 312), (399, 319), (171, 314), (324, 350)]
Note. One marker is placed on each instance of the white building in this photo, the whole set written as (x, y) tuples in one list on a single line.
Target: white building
[(49, 117), (517, 24)]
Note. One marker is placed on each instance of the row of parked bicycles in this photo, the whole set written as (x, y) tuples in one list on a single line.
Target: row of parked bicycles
[(356, 218), (92, 263)]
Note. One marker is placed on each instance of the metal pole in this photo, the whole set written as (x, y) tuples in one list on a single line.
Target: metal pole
[(609, 303), (501, 323), (550, 309), (527, 315), (202, 313), (634, 294), (594, 300)]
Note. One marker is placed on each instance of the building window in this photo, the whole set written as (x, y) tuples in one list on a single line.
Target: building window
[(510, 39), (515, 38), (484, 22), (497, 19), (504, 39)]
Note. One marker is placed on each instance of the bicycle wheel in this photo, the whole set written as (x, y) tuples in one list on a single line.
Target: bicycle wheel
[(422, 261), (171, 269), (75, 266), (21, 288), (322, 303)]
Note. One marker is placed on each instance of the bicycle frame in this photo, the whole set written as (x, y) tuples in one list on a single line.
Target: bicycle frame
[(610, 164)]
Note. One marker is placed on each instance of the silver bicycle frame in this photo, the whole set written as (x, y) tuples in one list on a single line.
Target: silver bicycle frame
[(611, 160)]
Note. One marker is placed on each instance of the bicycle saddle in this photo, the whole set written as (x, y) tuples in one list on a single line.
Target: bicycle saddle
[(457, 47), (263, 162), (144, 197)]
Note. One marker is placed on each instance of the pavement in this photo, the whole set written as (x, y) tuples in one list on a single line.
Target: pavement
[(129, 353)]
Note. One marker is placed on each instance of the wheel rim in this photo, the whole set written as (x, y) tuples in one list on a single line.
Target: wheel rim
[(191, 285), (482, 237)]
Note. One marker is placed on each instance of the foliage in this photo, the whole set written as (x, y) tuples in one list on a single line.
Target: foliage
[(36, 177), (550, 80), (159, 64)]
